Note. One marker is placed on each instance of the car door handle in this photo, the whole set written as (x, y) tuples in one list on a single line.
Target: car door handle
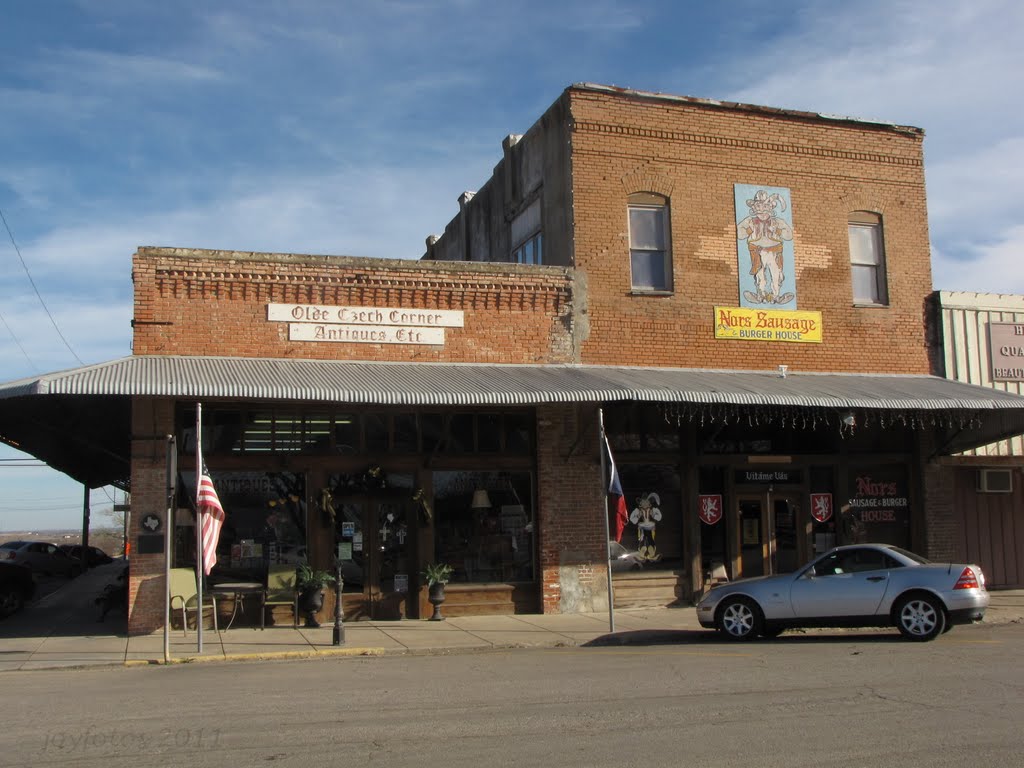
[(876, 578)]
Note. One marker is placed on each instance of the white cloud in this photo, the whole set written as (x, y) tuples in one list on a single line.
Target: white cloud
[(988, 267), (950, 68)]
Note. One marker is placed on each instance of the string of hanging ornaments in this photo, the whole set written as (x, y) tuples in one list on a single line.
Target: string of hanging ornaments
[(846, 421)]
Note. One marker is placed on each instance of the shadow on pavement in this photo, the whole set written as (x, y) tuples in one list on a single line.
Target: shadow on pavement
[(67, 607), (711, 637)]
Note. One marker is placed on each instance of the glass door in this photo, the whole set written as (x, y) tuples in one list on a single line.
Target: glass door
[(752, 542), (390, 562), (355, 565), (376, 562), (785, 553), (769, 534)]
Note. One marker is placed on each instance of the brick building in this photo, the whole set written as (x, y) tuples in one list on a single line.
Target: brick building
[(736, 295)]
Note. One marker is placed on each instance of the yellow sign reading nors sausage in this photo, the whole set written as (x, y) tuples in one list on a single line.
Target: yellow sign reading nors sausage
[(767, 325)]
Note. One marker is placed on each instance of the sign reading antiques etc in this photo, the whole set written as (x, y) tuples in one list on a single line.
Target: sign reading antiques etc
[(1006, 351), (367, 325), (767, 325)]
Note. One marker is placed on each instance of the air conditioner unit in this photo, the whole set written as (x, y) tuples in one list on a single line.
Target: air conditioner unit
[(995, 481)]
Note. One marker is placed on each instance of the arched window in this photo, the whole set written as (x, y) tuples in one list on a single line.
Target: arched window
[(867, 259), (650, 252)]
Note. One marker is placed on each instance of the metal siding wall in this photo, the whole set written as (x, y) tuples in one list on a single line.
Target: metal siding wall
[(965, 319), (992, 525)]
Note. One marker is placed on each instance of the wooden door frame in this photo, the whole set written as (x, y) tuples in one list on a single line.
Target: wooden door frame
[(765, 497)]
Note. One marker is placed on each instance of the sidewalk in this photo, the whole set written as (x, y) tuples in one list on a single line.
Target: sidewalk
[(61, 631)]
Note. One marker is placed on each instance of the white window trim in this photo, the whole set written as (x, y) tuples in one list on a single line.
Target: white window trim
[(659, 204)]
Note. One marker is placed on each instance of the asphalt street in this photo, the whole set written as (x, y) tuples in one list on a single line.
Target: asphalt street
[(806, 699)]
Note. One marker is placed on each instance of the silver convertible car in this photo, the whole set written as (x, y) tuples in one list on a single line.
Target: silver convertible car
[(862, 585)]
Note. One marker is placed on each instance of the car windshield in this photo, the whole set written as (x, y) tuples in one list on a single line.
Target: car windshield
[(11, 545), (910, 555)]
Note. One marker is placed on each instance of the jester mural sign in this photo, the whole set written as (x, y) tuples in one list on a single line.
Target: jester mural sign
[(764, 236)]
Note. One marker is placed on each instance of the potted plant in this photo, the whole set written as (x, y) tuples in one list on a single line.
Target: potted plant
[(436, 576), (310, 583)]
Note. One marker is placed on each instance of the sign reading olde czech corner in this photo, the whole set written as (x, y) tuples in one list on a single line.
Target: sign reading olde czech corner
[(367, 325), (767, 324)]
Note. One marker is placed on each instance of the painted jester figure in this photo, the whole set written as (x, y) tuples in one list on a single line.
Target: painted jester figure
[(645, 517), (765, 233)]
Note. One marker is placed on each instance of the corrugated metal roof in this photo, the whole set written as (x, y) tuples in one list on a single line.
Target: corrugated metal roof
[(481, 384)]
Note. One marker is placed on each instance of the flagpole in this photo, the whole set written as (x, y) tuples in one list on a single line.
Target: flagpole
[(607, 533), (199, 529), (169, 522)]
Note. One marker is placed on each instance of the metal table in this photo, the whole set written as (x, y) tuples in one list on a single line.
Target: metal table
[(238, 590)]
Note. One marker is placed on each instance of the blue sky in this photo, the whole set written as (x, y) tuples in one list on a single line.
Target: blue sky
[(326, 126)]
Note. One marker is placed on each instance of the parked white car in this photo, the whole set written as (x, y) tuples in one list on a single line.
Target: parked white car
[(40, 557)]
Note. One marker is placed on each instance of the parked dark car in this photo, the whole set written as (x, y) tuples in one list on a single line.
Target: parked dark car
[(39, 556), (16, 588), (95, 556)]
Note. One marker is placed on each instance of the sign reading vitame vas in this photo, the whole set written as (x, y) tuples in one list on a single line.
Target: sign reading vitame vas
[(1006, 351)]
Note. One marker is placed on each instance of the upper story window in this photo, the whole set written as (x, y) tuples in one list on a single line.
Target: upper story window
[(867, 259), (650, 257), (527, 239)]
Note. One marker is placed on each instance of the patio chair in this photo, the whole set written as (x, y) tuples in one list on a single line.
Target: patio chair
[(281, 590), (184, 593)]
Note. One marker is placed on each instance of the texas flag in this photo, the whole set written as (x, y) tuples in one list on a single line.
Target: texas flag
[(617, 515)]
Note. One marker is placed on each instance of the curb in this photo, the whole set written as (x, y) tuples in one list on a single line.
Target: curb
[(265, 656)]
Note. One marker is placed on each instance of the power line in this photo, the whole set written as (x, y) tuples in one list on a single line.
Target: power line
[(18, 342), (34, 288)]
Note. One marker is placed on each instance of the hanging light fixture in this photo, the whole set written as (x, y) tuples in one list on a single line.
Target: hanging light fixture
[(481, 499)]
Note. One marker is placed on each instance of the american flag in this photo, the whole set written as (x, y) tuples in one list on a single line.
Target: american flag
[(211, 513), (620, 515)]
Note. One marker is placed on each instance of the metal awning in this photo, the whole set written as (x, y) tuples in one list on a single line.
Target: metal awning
[(92, 401)]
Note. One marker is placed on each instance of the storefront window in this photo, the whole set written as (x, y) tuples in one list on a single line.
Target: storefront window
[(290, 429), (484, 525), (655, 524), (877, 508), (264, 523)]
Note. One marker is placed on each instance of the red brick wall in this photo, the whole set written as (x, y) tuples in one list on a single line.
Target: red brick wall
[(197, 302), (152, 420), (572, 549), (694, 154)]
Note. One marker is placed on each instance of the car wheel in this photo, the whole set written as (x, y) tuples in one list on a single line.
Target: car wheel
[(11, 600), (740, 619), (920, 617)]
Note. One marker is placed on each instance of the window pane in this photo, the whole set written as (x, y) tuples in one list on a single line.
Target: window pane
[(648, 268), (376, 431), (405, 433), (539, 255), (518, 433), (460, 433), (259, 432), (647, 228), (489, 432), (432, 430), (865, 285), (489, 543), (526, 223), (346, 433), (865, 244), (317, 432)]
